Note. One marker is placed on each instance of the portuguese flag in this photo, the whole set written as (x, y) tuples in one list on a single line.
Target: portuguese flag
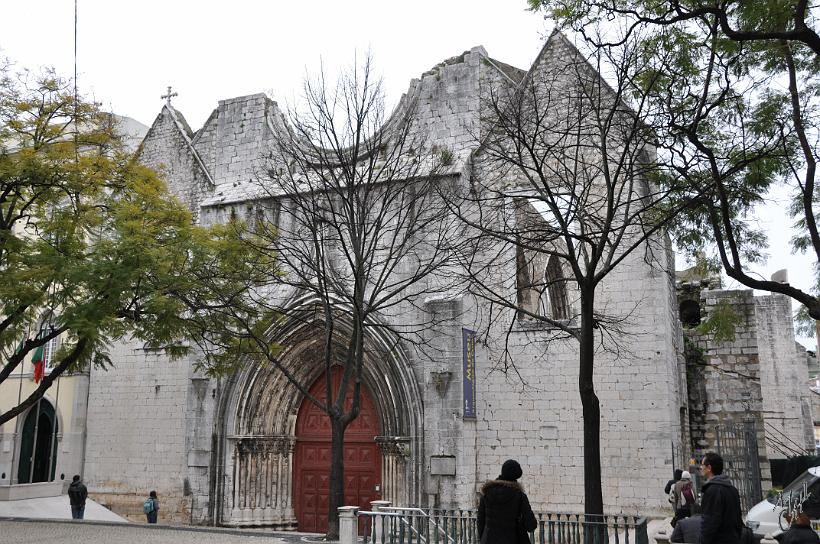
[(39, 364)]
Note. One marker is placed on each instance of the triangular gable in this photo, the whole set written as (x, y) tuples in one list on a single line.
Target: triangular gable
[(187, 134), (168, 144)]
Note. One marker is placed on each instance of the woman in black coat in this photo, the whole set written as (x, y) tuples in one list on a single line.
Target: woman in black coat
[(504, 513)]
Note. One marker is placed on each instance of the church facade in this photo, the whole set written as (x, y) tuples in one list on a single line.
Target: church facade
[(248, 451)]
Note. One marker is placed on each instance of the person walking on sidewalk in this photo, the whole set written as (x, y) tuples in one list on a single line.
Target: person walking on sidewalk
[(720, 504), (77, 494), (150, 507), (504, 512), (676, 477), (688, 529), (682, 497)]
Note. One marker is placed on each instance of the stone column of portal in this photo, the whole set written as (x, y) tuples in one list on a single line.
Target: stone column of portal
[(267, 517), (387, 479), (235, 485), (244, 469), (291, 445), (279, 492), (386, 475), (255, 481)]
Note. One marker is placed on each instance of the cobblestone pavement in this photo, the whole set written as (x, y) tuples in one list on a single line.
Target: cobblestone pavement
[(68, 532)]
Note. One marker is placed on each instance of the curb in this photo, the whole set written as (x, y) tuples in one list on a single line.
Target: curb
[(292, 536)]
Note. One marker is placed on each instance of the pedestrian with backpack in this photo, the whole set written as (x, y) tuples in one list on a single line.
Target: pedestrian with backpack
[(676, 478), (150, 507), (682, 497), (77, 494)]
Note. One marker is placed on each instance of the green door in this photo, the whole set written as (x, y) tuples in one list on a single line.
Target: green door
[(38, 445)]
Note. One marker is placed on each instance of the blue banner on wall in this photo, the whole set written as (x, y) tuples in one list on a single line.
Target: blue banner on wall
[(468, 372)]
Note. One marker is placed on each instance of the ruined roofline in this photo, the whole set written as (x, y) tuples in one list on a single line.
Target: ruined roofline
[(219, 198), (188, 135), (405, 104)]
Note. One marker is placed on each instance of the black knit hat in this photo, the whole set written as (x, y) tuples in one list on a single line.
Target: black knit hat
[(510, 471)]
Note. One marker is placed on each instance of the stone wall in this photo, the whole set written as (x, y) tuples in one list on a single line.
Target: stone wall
[(531, 413), (783, 376), (756, 375), (167, 149), (237, 143), (724, 376), (137, 436)]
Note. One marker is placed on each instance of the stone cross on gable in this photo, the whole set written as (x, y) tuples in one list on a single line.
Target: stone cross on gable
[(169, 95)]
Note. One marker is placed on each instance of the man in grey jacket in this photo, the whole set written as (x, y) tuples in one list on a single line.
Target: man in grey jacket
[(688, 529)]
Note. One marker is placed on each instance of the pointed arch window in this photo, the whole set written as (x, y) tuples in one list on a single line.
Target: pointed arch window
[(528, 296), (557, 289)]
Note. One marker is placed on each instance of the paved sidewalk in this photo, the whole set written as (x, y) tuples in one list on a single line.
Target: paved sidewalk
[(88, 532), (55, 508)]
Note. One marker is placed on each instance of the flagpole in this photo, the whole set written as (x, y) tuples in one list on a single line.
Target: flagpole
[(16, 418), (52, 450), (34, 446)]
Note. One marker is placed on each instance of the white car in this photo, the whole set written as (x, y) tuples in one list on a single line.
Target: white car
[(768, 517)]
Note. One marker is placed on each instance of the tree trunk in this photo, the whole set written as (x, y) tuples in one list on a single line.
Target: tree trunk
[(593, 497), (336, 495)]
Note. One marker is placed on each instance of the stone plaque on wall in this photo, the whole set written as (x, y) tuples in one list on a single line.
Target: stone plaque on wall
[(443, 465)]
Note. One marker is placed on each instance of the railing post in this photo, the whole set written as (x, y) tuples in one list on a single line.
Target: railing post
[(641, 534), (348, 524), (378, 521)]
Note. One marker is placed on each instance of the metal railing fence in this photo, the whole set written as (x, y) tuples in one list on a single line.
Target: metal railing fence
[(422, 526)]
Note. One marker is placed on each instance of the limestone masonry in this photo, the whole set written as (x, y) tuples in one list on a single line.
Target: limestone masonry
[(225, 451)]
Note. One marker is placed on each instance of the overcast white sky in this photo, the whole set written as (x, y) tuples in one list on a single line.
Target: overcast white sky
[(130, 51)]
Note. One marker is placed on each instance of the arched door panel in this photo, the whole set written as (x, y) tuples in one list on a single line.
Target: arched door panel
[(312, 456), (38, 445)]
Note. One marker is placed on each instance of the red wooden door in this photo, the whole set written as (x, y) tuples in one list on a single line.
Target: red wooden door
[(362, 460)]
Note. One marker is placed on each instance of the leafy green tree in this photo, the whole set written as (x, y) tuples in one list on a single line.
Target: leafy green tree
[(737, 115), (92, 247)]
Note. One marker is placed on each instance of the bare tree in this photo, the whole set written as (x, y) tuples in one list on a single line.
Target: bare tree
[(562, 197), (361, 238), (738, 110)]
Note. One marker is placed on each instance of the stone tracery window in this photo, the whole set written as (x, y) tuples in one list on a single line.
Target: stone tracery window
[(541, 288), (557, 289), (529, 298)]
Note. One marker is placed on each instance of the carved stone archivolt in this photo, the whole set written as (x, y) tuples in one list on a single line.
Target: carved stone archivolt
[(260, 408)]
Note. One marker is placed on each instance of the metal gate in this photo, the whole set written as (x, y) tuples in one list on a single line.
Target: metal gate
[(737, 444)]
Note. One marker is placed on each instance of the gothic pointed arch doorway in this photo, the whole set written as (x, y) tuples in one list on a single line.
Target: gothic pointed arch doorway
[(38, 446), (256, 476), (362, 457)]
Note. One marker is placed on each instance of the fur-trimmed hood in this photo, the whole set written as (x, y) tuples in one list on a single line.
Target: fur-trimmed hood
[(488, 485), (502, 506)]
